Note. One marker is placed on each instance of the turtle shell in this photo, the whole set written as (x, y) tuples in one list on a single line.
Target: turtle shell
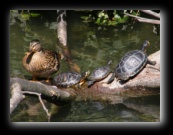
[(99, 73), (131, 64), (68, 79)]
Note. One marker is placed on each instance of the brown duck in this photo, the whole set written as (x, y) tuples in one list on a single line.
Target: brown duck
[(41, 62)]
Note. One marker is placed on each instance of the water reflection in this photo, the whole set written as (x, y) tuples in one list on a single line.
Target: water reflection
[(95, 111), (90, 47)]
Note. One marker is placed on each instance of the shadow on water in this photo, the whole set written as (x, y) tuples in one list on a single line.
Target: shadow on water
[(91, 46)]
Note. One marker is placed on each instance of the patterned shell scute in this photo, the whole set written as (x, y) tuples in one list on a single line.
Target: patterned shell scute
[(99, 73), (67, 79), (131, 64)]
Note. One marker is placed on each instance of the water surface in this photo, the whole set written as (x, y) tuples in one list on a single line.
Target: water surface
[(91, 46)]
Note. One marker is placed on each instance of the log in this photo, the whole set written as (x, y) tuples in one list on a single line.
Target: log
[(146, 83), (46, 90), (19, 87), (149, 77), (145, 78)]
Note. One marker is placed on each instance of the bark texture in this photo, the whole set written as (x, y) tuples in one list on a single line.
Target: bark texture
[(62, 27)]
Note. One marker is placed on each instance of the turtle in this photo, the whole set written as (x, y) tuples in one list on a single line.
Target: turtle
[(99, 74), (131, 64), (70, 79), (41, 62)]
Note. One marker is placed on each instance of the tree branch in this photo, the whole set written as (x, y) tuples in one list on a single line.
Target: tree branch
[(62, 27), (46, 90), (19, 87), (16, 96), (151, 13), (41, 101), (141, 19)]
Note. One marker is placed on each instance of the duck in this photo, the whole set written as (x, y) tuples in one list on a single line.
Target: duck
[(41, 62)]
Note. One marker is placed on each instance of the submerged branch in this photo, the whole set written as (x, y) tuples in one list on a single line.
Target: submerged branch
[(41, 101)]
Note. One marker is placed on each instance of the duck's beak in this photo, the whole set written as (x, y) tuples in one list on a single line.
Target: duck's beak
[(31, 49)]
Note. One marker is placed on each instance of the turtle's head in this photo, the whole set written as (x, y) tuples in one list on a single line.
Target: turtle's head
[(84, 77), (145, 44), (35, 46), (86, 73), (109, 62)]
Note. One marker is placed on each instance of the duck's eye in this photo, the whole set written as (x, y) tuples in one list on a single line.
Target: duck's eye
[(35, 47)]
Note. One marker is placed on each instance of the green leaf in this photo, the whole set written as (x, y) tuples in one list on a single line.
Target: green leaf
[(35, 14), (98, 21), (25, 16)]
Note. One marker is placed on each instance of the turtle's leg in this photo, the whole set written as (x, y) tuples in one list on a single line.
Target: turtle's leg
[(81, 83), (112, 78), (76, 87), (90, 83), (151, 62), (117, 81)]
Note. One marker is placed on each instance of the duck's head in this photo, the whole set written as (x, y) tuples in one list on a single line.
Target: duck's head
[(35, 46)]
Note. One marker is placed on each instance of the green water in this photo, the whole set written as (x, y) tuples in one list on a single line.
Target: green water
[(91, 46)]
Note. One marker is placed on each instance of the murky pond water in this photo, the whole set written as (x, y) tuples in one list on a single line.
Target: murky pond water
[(91, 46)]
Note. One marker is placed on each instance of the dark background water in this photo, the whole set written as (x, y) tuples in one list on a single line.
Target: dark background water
[(91, 46)]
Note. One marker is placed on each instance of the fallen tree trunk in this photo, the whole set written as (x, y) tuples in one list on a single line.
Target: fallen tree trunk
[(20, 87)]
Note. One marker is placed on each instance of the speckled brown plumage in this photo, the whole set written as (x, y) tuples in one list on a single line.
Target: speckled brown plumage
[(41, 62)]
